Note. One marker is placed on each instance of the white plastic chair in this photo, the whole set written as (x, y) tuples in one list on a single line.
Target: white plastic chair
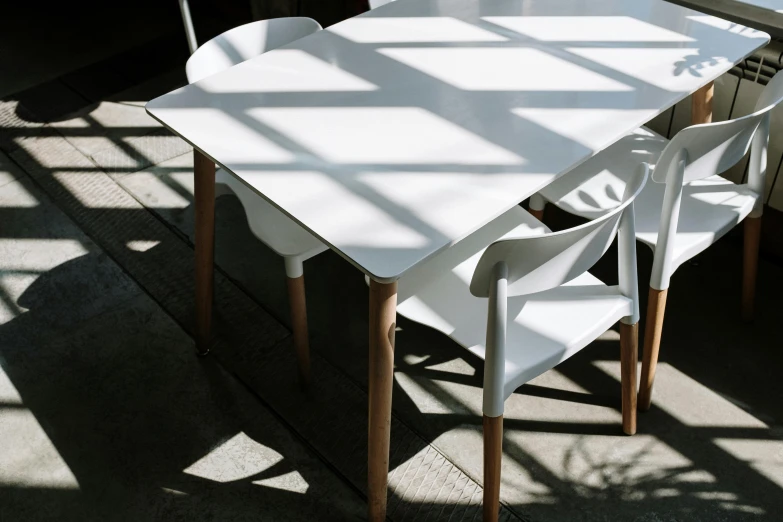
[(268, 224), (689, 206), (187, 22), (543, 306)]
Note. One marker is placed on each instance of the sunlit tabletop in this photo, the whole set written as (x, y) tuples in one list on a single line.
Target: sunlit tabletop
[(396, 133)]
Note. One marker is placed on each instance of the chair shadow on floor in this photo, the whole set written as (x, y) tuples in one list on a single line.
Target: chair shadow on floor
[(140, 428), (564, 437)]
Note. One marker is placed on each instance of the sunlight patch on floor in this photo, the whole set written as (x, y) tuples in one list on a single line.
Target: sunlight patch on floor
[(15, 195), (174, 492), (705, 408), (28, 459), (632, 469), (235, 459), (292, 481), (77, 184), (8, 392), (764, 456), (140, 245), (22, 261), (437, 397)]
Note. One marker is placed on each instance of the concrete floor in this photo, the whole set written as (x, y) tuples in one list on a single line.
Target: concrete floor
[(106, 414), (105, 411)]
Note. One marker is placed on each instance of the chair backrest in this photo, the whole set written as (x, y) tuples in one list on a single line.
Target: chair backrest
[(705, 150), (245, 42), (713, 148), (538, 263)]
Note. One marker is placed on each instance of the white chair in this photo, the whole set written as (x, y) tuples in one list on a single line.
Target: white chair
[(689, 206), (187, 22), (268, 224), (543, 306)]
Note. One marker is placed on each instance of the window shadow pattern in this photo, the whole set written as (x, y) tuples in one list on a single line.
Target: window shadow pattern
[(175, 294)]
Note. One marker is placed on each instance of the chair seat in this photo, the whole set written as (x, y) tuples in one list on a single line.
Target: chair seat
[(268, 224), (544, 329), (710, 207)]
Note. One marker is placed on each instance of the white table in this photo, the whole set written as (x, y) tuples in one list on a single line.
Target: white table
[(395, 134)]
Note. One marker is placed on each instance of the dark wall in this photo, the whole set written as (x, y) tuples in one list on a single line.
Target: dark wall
[(212, 17)]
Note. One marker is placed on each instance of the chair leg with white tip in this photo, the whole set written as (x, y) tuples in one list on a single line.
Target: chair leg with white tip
[(298, 307), (494, 389), (493, 451), (653, 326), (536, 206), (629, 347)]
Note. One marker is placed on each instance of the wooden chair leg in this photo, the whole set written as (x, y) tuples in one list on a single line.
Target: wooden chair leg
[(750, 263), (538, 214), (536, 206), (298, 307), (204, 196), (493, 450), (629, 349), (656, 305)]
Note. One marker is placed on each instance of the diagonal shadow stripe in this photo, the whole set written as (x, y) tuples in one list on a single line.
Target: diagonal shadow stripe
[(332, 419)]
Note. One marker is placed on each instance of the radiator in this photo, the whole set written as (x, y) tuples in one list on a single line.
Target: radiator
[(736, 94)]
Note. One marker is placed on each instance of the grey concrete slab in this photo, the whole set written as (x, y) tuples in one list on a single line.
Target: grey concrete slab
[(9, 170), (105, 125), (16, 123), (165, 189), (129, 233), (48, 154), (107, 414), (36, 237), (51, 101), (129, 425), (133, 154)]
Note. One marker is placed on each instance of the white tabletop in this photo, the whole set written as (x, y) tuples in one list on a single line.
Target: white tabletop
[(394, 134)]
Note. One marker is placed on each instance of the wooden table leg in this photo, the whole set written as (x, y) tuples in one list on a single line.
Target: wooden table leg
[(298, 306), (701, 104), (204, 192), (383, 321)]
